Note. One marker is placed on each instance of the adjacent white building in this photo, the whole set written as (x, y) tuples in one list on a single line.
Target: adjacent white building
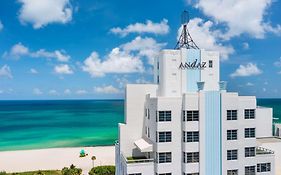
[(186, 123)]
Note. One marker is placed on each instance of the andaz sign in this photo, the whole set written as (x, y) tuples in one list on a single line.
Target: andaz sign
[(193, 65)]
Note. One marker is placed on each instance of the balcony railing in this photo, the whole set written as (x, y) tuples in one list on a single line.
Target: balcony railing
[(131, 160), (261, 151)]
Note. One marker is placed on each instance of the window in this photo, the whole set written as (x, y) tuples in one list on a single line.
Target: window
[(250, 170), (158, 65), (190, 157), (164, 116), (191, 136), (158, 79), (249, 113), (135, 174), (250, 151), (164, 174), (232, 134), (232, 154), (210, 63), (164, 136), (147, 113), (190, 115), (264, 167), (165, 157), (231, 114), (250, 132), (148, 132), (232, 172), (190, 173)]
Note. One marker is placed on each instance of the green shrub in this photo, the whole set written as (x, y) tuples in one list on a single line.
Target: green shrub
[(72, 170), (3, 173), (103, 170)]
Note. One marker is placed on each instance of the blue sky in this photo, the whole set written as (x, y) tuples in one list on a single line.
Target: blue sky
[(70, 49)]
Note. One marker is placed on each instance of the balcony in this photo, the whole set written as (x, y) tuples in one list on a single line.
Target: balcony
[(130, 160), (263, 151), (138, 164)]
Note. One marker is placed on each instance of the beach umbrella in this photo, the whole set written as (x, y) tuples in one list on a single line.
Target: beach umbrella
[(82, 153)]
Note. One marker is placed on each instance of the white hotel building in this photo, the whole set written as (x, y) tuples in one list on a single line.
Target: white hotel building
[(186, 123)]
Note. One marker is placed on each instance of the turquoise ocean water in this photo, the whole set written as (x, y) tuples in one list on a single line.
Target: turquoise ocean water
[(47, 124)]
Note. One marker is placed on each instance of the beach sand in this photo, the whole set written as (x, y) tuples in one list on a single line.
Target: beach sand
[(55, 158)]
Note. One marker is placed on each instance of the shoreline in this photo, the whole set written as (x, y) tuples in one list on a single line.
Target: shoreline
[(55, 158), (30, 149)]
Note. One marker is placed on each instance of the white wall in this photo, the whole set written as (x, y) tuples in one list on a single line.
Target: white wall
[(134, 116), (211, 76), (264, 122)]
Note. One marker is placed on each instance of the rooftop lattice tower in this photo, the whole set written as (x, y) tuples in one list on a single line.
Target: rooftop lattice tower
[(185, 39)]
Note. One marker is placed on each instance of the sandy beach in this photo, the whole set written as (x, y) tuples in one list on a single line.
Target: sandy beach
[(55, 158)]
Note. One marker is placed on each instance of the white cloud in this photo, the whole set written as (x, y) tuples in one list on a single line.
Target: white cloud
[(67, 91), (122, 81), (53, 92), (278, 63), (107, 90), (147, 47), (240, 16), (81, 92), (148, 27), (19, 50), (63, 69), (246, 70), (1, 26), (249, 84), (43, 12), (245, 46), (206, 38), (1, 92), (117, 61), (33, 71), (5, 71), (37, 91), (142, 80), (264, 89), (127, 58)]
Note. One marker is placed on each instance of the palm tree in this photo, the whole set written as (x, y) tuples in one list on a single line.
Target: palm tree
[(93, 159)]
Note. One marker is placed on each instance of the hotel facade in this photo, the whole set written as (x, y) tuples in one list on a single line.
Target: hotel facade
[(186, 123)]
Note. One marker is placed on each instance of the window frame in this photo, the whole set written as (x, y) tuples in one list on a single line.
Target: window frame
[(190, 115), (167, 136), (164, 116), (232, 134), (249, 170), (250, 151), (232, 154), (249, 133), (191, 157), (191, 136), (249, 114), (231, 115), (263, 167), (164, 157)]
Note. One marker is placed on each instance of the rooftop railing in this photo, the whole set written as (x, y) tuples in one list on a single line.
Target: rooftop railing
[(261, 151)]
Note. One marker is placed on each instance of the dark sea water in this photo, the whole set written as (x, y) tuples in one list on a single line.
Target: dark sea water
[(69, 123)]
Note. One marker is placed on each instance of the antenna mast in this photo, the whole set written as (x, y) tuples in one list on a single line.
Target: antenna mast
[(185, 39)]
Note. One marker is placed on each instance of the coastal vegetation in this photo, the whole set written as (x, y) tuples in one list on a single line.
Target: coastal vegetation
[(103, 170), (72, 170), (40, 172)]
